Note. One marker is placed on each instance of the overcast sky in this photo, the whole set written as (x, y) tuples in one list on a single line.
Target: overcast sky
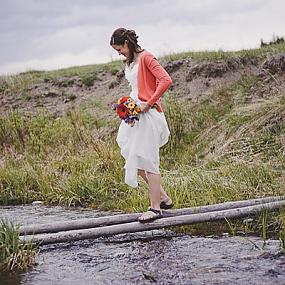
[(52, 34)]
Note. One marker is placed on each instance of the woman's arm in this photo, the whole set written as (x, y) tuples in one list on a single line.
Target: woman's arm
[(162, 77)]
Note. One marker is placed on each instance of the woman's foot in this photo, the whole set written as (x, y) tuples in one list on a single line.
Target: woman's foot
[(150, 215), (166, 204)]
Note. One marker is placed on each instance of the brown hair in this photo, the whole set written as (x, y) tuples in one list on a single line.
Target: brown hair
[(121, 35)]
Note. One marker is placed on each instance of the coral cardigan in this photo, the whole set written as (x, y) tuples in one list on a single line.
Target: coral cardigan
[(153, 80)]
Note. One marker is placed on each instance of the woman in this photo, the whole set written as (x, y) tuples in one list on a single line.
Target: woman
[(140, 143)]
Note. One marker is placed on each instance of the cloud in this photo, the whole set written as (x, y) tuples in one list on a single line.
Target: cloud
[(58, 61), (34, 33)]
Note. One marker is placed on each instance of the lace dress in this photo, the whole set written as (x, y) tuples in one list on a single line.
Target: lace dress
[(140, 144)]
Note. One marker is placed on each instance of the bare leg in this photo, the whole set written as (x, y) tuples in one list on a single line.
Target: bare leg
[(142, 173), (157, 196), (154, 190), (163, 196)]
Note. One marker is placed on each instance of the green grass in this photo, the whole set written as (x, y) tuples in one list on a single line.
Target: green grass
[(14, 254), (282, 232), (258, 53), (68, 161)]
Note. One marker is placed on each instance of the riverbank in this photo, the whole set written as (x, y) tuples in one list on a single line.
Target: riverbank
[(226, 116)]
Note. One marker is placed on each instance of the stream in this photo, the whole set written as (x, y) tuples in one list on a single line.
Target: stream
[(151, 257)]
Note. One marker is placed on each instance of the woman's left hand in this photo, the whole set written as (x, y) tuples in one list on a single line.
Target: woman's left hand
[(144, 106)]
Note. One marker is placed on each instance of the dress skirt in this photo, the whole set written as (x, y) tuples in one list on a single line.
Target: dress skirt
[(140, 144)]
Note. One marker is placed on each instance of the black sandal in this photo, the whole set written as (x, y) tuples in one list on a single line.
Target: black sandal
[(165, 206), (150, 215)]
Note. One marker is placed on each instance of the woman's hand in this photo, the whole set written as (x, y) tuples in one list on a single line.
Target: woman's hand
[(144, 106)]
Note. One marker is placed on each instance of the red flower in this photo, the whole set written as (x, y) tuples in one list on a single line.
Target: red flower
[(122, 111), (122, 100)]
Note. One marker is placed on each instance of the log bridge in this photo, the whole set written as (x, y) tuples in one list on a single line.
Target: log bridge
[(90, 228)]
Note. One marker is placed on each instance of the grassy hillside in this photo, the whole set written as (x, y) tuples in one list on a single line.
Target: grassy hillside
[(227, 138)]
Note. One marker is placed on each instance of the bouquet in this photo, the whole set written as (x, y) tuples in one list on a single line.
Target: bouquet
[(127, 110)]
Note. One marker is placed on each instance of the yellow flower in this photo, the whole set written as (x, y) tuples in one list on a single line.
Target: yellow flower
[(131, 105)]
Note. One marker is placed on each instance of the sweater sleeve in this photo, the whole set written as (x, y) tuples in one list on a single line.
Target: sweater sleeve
[(162, 77)]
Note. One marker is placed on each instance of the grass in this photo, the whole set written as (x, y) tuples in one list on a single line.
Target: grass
[(221, 149), (282, 232), (14, 254), (258, 53), (67, 161)]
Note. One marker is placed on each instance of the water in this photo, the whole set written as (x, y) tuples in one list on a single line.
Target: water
[(153, 257)]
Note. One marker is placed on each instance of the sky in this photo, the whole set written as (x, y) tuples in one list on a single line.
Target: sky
[(53, 34)]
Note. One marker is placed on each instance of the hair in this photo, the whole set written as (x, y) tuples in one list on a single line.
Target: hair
[(121, 35)]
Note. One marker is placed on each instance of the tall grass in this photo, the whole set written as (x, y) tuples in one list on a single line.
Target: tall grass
[(65, 160), (72, 161), (14, 254), (281, 220)]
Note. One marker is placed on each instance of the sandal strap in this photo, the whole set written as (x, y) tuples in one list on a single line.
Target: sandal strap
[(166, 200), (150, 215), (154, 210)]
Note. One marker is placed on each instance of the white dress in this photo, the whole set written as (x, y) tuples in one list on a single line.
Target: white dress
[(140, 143)]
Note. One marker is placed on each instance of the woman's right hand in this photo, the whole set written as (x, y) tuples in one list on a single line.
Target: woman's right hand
[(144, 107)]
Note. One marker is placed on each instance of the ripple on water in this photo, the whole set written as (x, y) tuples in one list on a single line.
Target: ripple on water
[(160, 256)]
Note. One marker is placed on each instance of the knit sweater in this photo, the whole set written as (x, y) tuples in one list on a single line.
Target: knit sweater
[(153, 80)]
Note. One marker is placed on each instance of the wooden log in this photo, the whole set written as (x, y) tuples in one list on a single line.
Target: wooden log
[(132, 227), (127, 218)]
